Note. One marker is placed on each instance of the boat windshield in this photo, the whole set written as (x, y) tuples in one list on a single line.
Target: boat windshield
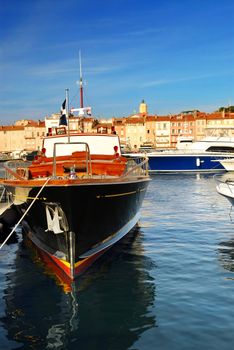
[(220, 149), (98, 144)]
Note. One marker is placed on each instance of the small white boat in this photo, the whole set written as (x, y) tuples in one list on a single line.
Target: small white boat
[(225, 187)]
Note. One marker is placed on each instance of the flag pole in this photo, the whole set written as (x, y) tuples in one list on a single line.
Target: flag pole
[(67, 113)]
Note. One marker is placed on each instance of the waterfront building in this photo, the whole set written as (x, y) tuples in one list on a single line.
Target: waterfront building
[(200, 124), (182, 125), (134, 131), (120, 129), (137, 130), (150, 133), (21, 136), (162, 132), (11, 138), (76, 124), (221, 120)]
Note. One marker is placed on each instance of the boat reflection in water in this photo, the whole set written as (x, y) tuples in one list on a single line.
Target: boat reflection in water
[(108, 307), (226, 251)]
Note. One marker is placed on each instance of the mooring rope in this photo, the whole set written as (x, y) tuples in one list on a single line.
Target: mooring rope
[(2, 194), (25, 213)]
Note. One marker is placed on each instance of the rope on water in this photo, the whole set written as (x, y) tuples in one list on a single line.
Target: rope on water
[(26, 212)]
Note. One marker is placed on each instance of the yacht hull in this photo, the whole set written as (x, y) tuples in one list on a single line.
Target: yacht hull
[(76, 223)]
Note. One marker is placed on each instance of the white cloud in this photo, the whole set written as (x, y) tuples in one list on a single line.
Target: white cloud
[(188, 78)]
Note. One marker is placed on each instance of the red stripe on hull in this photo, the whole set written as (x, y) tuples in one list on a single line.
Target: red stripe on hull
[(82, 265), (62, 270)]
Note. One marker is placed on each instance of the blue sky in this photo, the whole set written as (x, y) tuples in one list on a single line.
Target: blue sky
[(176, 54)]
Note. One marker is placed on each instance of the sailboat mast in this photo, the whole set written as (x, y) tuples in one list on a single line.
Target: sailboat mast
[(67, 113), (81, 84)]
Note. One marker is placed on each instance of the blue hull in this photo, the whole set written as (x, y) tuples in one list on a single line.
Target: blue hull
[(184, 163)]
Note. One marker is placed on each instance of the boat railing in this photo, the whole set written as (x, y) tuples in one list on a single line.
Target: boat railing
[(137, 166), (88, 163), (2, 194), (192, 151), (16, 169)]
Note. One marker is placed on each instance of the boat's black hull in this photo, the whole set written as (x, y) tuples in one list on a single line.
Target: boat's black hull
[(96, 213)]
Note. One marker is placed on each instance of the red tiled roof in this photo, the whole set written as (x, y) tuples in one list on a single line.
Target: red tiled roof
[(135, 120), (11, 127)]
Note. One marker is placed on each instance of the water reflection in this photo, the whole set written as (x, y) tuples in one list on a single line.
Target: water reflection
[(226, 250), (108, 307)]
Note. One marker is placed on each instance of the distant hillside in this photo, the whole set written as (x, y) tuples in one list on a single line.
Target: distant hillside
[(227, 109)]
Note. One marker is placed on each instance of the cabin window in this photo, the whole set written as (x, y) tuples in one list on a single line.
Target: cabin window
[(220, 149)]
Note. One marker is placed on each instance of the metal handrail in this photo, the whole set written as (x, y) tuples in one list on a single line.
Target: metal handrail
[(88, 157), (2, 193), (10, 167), (138, 166)]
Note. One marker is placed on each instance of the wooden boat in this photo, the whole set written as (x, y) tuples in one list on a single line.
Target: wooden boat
[(77, 199)]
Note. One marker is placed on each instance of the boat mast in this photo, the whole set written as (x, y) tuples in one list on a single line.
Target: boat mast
[(81, 84), (67, 113), (81, 93)]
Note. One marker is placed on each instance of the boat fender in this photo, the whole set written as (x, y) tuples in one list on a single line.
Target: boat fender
[(1, 227), (9, 217), (198, 162), (4, 233)]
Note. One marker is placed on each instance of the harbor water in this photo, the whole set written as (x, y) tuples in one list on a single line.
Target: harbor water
[(168, 285)]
